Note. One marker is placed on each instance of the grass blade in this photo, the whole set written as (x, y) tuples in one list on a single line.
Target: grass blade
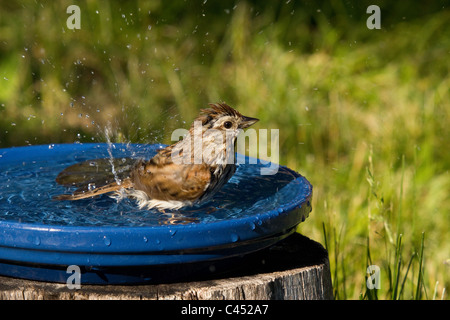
[(420, 277), (398, 259), (406, 275)]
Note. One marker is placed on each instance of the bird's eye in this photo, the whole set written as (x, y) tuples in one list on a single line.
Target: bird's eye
[(227, 124)]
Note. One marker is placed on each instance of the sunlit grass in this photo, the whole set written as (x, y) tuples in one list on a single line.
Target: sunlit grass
[(363, 114)]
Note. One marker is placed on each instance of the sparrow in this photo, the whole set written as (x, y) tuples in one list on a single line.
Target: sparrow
[(183, 174)]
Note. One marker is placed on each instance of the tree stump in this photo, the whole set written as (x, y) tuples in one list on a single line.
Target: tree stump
[(296, 268)]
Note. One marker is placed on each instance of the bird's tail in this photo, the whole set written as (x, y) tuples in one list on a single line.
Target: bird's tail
[(93, 191), (96, 177)]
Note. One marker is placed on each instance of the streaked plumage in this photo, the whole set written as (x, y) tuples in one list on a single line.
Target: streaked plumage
[(173, 178)]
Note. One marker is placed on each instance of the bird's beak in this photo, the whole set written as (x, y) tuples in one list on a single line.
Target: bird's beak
[(247, 122)]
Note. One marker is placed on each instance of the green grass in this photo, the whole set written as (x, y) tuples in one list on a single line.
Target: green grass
[(363, 114)]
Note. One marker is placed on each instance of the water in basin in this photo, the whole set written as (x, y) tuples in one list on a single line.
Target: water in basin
[(27, 185)]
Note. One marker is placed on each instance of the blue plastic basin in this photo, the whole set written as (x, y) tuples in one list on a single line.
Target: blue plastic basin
[(118, 243)]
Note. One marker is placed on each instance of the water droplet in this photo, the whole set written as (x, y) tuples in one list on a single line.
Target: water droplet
[(145, 239), (37, 241), (91, 186), (107, 241), (280, 210), (252, 226), (51, 146), (234, 237), (157, 241)]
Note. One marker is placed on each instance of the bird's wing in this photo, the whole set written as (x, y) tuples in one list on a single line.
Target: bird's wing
[(97, 172), (172, 181)]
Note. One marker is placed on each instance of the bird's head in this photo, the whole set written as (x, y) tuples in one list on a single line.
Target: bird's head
[(216, 128), (221, 116)]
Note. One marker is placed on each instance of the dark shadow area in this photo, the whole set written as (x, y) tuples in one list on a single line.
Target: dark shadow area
[(295, 251)]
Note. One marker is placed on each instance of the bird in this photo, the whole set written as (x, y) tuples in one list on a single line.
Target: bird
[(180, 175)]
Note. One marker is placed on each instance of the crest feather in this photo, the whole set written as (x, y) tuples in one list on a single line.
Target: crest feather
[(217, 110), (221, 109)]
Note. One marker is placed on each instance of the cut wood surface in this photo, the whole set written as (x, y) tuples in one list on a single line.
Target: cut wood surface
[(295, 268)]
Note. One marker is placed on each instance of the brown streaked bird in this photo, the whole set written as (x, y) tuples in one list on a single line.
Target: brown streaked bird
[(183, 174)]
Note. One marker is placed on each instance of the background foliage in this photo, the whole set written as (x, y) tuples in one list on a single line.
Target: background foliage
[(363, 114)]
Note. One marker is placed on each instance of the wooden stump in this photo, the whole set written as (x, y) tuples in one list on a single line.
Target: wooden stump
[(296, 268)]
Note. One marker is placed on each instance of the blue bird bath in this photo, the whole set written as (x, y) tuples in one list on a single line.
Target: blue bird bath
[(116, 242)]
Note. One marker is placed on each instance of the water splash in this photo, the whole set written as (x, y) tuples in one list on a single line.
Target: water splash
[(110, 153)]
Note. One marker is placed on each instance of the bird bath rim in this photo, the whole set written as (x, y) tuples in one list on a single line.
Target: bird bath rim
[(147, 245)]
